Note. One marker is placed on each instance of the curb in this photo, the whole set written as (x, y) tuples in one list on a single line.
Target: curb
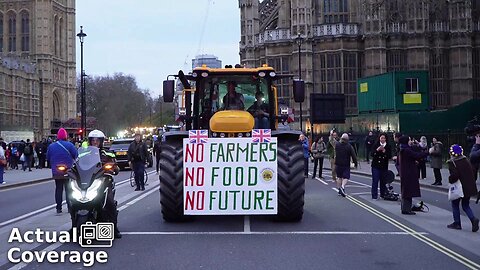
[(25, 183), (439, 188)]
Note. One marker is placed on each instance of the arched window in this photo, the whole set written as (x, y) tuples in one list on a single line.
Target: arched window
[(1, 32), (12, 32), (25, 31)]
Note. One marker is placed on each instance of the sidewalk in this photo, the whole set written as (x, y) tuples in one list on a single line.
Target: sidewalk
[(366, 169), (15, 178)]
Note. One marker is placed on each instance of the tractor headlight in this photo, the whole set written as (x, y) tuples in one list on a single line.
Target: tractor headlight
[(272, 74), (214, 134), (261, 74), (204, 74), (240, 135), (194, 74), (248, 134), (222, 135)]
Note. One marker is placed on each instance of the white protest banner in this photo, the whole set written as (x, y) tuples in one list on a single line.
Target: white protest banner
[(230, 176)]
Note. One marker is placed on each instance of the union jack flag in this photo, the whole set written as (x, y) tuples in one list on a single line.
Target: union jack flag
[(198, 136), (261, 135)]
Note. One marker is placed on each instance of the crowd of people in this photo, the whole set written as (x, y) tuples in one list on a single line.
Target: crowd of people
[(410, 158), (26, 154)]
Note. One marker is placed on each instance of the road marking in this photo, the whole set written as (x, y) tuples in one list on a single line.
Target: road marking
[(154, 189), (58, 244), (246, 224), (49, 207), (321, 181), (361, 193), (439, 247), (13, 220), (272, 233)]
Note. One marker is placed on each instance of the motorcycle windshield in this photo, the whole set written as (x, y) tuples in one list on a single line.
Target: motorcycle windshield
[(88, 164)]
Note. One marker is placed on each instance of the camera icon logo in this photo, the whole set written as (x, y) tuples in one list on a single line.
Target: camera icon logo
[(98, 235)]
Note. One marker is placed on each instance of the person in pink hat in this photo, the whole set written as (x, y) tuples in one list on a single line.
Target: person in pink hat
[(61, 152)]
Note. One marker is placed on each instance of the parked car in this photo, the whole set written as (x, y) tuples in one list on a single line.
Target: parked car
[(120, 148)]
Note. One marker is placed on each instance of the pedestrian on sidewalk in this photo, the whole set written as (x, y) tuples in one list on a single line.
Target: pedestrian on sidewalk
[(422, 164), (3, 164), (409, 173), (344, 155), (436, 160), (369, 141), (461, 169), (14, 157), (318, 151), (63, 153), (306, 153), (3, 144), (396, 138), (475, 156), (332, 142), (156, 154), (381, 155), (28, 153)]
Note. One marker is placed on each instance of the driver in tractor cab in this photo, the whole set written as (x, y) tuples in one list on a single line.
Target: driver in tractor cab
[(96, 138), (233, 100), (259, 111)]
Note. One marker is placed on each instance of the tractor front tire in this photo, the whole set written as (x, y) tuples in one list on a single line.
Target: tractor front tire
[(171, 182), (291, 182)]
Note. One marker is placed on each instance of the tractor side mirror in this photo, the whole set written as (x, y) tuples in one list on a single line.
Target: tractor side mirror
[(299, 90), (168, 90)]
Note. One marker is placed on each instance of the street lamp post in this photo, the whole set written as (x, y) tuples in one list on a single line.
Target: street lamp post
[(299, 40), (81, 35)]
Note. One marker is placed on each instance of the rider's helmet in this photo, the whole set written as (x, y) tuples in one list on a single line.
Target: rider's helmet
[(96, 138)]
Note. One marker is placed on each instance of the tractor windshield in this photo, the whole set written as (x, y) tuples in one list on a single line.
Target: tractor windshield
[(234, 93)]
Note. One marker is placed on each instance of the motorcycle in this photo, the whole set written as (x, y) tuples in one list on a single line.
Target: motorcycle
[(88, 186)]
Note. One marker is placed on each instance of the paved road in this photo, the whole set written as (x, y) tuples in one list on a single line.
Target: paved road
[(27, 199), (335, 233)]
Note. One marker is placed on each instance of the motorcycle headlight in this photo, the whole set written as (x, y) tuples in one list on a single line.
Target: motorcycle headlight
[(86, 196)]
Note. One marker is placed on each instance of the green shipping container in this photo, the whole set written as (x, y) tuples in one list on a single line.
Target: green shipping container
[(393, 92)]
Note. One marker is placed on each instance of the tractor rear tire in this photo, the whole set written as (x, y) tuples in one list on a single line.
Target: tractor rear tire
[(291, 182), (171, 182)]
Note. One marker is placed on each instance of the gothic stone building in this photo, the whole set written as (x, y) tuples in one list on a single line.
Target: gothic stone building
[(342, 40), (37, 67)]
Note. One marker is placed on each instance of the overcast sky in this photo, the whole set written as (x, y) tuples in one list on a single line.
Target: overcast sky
[(150, 39)]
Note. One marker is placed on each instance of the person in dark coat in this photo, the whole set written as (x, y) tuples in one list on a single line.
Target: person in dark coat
[(41, 150), (137, 157), (381, 155), (422, 166), (369, 141), (344, 154), (156, 154), (461, 169), (396, 150), (436, 161), (475, 156), (409, 173)]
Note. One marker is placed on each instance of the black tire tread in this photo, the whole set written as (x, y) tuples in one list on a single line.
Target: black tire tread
[(291, 182), (171, 182)]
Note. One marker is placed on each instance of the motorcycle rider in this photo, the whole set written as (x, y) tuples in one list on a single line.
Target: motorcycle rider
[(110, 214)]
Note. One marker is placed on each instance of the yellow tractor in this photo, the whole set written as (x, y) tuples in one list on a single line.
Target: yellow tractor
[(235, 155)]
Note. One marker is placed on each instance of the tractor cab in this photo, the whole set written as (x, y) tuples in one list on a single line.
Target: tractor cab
[(231, 101)]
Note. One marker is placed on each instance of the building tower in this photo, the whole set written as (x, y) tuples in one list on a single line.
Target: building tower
[(40, 32)]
